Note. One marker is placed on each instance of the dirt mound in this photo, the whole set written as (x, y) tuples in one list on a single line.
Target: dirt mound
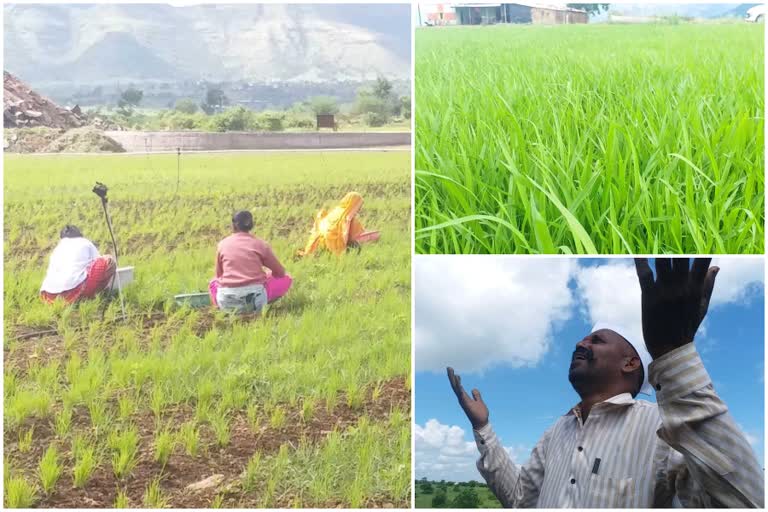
[(24, 108), (84, 140), (54, 140), (29, 140)]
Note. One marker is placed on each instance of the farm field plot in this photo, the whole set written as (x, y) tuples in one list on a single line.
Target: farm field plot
[(590, 139), (307, 405)]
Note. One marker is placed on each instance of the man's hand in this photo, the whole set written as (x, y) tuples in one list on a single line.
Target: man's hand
[(476, 410), (673, 305)]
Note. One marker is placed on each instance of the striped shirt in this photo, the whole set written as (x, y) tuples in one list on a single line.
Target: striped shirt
[(635, 454)]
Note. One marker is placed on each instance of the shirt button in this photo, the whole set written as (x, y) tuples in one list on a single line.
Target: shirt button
[(580, 448), (573, 480)]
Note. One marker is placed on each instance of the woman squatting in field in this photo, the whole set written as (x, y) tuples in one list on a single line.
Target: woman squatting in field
[(76, 270), (248, 274)]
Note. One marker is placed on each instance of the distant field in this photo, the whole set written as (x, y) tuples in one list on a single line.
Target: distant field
[(306, 406), (424, 499), (590, 139)]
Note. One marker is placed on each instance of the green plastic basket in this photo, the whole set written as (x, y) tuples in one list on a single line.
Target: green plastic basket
[(195, 300)]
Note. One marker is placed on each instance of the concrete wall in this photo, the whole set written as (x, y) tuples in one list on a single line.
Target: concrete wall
[(139, 142), (557, 17)]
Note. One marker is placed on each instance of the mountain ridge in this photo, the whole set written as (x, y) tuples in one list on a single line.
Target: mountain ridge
[(90, 43)]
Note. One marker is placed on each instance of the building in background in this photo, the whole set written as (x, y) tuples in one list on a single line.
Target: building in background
[(437, 14), (537, 14)]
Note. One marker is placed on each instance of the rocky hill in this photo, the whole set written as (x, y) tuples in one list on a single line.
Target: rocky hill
[(105, 43), (24, 108)]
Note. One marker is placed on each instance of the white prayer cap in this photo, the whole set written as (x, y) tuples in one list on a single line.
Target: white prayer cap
[(638, 345)]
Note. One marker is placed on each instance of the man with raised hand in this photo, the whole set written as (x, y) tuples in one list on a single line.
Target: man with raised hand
[(612, 450)]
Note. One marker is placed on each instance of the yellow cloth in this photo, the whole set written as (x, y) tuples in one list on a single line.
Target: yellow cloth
[(334, 229)]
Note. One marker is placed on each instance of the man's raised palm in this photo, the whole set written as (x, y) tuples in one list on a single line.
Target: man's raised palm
[(474, 407)]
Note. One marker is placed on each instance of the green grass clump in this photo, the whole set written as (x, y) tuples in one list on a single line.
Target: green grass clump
[(19, 493), (49, 469), (590, 139), (85, 463), (124, 446), (165, 442)]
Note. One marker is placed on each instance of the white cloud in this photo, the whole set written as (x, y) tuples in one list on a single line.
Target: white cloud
[(443, 453), (738, 280), (474, 312), (611, 292)]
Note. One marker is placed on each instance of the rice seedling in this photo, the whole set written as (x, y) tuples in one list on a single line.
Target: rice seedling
[(355, 396), (19, 493), (533, 139), (25, 440), (121, 500), (164, 446), (189, 436), (201, 367), (307, 409), (49, 469), (218, 501), (126, 406), (252, 413), (63, 422), (220, 426), (85, 463), (99, 414), (251, 474), (124, 446), (27, 403), (277, 418), (153, 496)]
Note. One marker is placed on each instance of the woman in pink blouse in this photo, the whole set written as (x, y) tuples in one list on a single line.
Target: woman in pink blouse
[(248, 274)]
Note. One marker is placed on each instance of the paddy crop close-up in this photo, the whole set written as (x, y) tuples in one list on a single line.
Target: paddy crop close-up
[(307, 405), (644, 139)]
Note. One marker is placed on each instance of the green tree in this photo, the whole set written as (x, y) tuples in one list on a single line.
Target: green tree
[(426, 488), (186, 106), (383, 88), (440, 500), (592, 9), (467, 498), (374, 109), (235, 119), (405, 106), (324, 105), (215, 100), (130, 97)]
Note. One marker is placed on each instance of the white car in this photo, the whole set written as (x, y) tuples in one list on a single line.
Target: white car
[(756, 14)]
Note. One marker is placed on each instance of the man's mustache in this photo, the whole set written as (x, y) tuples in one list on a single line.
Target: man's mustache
[(583, 352)]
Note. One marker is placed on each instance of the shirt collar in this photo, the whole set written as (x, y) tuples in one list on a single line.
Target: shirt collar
[(621, 400)]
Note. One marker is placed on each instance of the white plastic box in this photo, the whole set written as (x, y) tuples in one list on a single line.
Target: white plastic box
[(126, 277)]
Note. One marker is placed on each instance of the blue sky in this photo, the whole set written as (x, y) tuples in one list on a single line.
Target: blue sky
[(509, 325)]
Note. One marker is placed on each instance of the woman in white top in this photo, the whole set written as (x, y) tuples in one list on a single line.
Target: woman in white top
[(76, 270)]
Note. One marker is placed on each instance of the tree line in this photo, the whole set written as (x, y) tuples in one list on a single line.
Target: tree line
[(375, 105)]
